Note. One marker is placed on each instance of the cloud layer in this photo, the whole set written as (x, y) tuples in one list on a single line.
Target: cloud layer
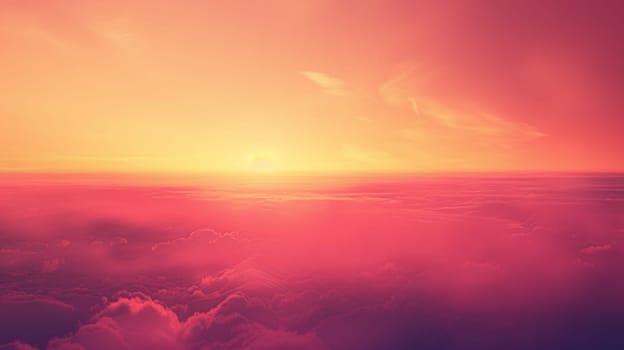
[(369, 263)]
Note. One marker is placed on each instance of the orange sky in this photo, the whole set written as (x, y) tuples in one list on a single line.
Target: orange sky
[(310, 85)]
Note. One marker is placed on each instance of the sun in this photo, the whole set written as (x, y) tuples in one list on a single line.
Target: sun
[(261, 162)]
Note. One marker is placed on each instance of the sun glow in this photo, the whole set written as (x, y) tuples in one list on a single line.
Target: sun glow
[(262, 162)]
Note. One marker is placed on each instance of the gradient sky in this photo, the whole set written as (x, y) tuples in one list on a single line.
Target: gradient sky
[(310, 85)]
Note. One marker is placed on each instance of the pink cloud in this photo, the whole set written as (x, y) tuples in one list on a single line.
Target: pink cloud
[(142, 323), (52, 265), (595, 249), (396, 262), (16, 345)]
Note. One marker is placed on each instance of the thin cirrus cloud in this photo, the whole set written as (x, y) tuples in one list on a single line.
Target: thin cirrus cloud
[(424, 130), (473, 122), (400, 90), (328, 83)]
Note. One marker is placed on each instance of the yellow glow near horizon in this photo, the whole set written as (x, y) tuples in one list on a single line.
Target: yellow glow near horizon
[(262, 162), (150, 86)]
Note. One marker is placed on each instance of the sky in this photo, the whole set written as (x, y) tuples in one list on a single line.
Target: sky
[(322, 86)]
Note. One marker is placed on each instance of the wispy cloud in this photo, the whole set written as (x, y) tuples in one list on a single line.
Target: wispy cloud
[(328, 83), (415, 106), (392, 91), (70, 29), (595, 249), (472, 122), (405, 90), (113, 158)]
